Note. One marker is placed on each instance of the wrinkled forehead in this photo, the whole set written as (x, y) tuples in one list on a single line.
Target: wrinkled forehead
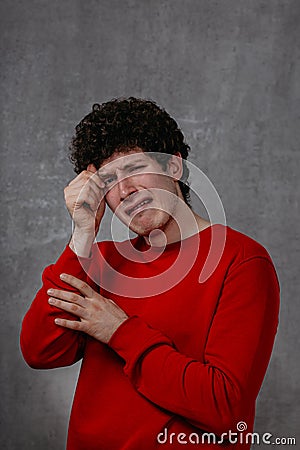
[(122, 161)]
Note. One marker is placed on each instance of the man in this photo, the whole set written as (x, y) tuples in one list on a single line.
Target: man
[(168, 360)]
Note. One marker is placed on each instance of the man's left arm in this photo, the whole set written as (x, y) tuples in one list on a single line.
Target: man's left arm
[(217, 394)]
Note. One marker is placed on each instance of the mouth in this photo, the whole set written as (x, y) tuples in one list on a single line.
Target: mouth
[(138, 206)]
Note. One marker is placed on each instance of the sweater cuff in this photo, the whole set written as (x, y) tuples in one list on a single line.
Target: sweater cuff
[(133, 339)]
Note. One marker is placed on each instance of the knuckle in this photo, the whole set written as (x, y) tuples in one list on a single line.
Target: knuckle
[(74, 298), (82, 285), (85, 175), (77, 325), (74, 308)]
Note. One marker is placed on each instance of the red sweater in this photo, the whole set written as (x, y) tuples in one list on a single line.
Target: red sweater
[(188, 360)]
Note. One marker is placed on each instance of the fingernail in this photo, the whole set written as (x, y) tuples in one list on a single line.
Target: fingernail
[(62, 276), (50, 291), (51, 301)]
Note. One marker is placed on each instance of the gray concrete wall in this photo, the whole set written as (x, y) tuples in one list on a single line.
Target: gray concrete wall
[(229, 72)]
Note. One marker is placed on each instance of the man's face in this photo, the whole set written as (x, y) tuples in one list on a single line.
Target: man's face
[(140, 192)]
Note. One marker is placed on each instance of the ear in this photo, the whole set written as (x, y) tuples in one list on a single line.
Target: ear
[(175, 166)]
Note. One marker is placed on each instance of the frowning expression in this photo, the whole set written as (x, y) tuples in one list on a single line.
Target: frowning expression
[(139, 191)]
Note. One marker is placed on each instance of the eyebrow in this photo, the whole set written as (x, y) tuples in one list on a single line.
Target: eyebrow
[(127, 166)]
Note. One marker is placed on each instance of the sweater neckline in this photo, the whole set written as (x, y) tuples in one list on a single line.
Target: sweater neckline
[(140, 244)]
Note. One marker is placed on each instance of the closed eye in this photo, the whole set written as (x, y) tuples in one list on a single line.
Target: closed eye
[(133, 169), (109, 180)]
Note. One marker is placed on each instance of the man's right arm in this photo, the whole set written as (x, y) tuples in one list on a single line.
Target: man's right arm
[(44, 344)]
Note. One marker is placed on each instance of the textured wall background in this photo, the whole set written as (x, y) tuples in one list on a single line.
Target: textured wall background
[(229, 72)]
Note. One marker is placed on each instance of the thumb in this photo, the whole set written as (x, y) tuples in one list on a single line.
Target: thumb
[(91, 168)]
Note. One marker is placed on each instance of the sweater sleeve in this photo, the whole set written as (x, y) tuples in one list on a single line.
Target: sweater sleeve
[(44, 344), (217, 393)]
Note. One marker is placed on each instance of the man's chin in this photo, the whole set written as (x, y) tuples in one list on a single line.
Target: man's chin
[(143, 227), (144, 222), (141, 230)]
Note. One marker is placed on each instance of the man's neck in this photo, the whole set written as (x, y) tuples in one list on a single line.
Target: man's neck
[(186, 224)]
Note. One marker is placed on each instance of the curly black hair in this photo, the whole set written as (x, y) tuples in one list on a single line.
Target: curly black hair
[(123, 124)]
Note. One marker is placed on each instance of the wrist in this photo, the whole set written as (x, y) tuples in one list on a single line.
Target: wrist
[(81, 243), (114, 328)]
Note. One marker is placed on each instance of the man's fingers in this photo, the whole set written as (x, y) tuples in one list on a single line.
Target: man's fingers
[(91, 168), (86, 188), (72, 324), (72, 308), (82, 287), (88, 197), (70, 297), (86, 177), (91, 186), (79, 190)]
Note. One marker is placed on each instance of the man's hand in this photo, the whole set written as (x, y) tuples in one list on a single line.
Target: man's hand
[(84, 198), (99, 316)]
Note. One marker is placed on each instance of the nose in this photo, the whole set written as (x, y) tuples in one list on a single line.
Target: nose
[(126, 187)]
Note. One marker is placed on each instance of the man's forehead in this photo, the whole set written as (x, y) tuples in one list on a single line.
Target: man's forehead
[(120, 160)]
